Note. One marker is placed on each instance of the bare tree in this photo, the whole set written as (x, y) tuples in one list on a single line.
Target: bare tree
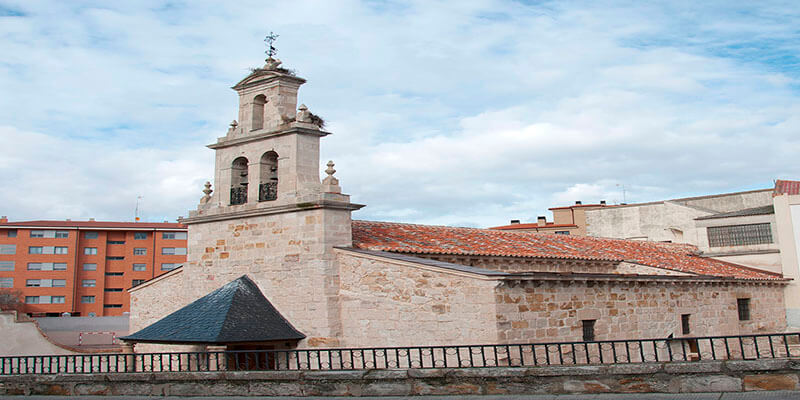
[(10, 299)]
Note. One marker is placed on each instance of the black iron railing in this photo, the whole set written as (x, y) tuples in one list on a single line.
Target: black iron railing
[(778, 345), (268, 191), (238, 195)]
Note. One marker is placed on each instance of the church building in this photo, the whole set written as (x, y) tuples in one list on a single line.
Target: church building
[(276, 261)]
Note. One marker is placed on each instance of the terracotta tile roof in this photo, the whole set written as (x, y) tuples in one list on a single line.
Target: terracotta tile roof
[(95, 224), (534, 225), (787, 187), (426, 239)]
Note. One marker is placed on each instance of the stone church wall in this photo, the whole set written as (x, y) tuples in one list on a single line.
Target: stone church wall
[(391, 303)]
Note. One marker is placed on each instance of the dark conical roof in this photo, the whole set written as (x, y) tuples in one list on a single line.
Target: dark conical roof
[(235, 313)]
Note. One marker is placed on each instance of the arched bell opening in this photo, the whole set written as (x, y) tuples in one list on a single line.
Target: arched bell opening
[(268, 187), (239, 181)]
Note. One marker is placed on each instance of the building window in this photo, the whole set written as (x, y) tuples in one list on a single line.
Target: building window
[(37, 234), (62, 234), (59, 283), (140, 267), (112, 289), (173, 235), (90, 251), (90, 235), (112, 305), (739, 235), (31, 299), (35, 250), (88, 283), (34, 266), (6, 282), (6, 265), (60, 250), (59, 266), (743, 305), (173, 251), (116, 242), (139, 251), (168, 266), (12, 233), (8, 249), (90, 267), (139, 235), (562, 232), (114, 273), (33, 283), (588, 329), (685, 328), (137, 282), (87, 299), (115, 257), (57, 299)]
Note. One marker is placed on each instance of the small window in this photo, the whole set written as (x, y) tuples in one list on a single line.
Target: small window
[(114, 273), (116, 242), (8, 249), (137, 282), (168, 266), (34, 266), (743, 305), (173, 251), (173, 235), (59, 266), (6, 282), (90, 267), (33, 283), (90, 235), (588, 329), (88, 283), (87, 299), (31, 299), (139, 251), (62, 234), (12, 233), (112, 305), (35, 250), (6, 265), (57, 299), (90, 250), (60, 250), (112, 289), (59, 283), (140, 235), (37, 234), (140, 267), (685, 328), (562, 232), (115, 257)]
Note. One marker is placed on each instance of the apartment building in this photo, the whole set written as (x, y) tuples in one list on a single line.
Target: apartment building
[(85, 267)]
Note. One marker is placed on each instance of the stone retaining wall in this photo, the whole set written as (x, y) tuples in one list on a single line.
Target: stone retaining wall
[(686, 377)]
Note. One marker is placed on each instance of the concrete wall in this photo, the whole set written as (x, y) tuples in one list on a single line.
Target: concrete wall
[(787, 220), (25, 338)]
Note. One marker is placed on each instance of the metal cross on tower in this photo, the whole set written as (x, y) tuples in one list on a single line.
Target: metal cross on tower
[(269, 39)]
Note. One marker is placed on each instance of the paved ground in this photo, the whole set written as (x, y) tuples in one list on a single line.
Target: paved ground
[(653, 396)]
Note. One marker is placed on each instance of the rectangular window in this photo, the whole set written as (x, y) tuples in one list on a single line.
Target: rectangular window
[(37, 234), (743, 305), (137, 282), (139, 235), (33, 283), (139, 251), (140, 267), (685, 328), (168, 266), (34, 266), (173, 251), (562, 232), (31, 299), (59, 283), (57, 299), (6, 282), (88, 283), (114, 273), (116, 242), (87, 299), (6, 265), (90, 267), (62, 234), (588, 329), (12, 233), (60, 250), (8, 249), (174, 235), (90, 235), (115, 257), (59, 266), (35, 250), (90, 250), (112, 289), (739, 235), (112, 305)]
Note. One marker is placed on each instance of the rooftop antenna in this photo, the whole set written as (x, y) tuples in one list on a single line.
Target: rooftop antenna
[(136, 212), (271, 50), (624, 200)]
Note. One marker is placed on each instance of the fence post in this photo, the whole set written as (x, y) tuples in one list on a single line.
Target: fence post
[(129, 358)]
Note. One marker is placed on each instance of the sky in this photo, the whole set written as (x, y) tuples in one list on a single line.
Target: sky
[(465, 113)]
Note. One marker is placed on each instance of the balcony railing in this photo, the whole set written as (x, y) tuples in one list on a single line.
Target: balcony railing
[(238, 195), (268, 191)]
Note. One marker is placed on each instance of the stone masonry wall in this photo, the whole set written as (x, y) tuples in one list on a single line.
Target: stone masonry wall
[(549, 311), (391, 303)]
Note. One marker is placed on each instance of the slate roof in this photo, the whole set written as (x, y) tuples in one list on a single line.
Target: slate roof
[(235, 313), (742, 213), (787, 187), (426, 239)]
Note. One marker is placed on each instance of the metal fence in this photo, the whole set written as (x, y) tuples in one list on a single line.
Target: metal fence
[(777, 345)]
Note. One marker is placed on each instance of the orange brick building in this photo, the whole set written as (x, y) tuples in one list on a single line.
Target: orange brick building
[(85, 267)]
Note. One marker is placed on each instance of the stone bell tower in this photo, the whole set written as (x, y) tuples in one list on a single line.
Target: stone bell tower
[(269, 216)]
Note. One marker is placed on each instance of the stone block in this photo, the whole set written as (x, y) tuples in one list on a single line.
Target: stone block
[(388, 388), (334, 375), (91, 389), (771, 382), (289, 389), (586, 386), (384, 374), (693, 367), (756, 365), (705, 383)]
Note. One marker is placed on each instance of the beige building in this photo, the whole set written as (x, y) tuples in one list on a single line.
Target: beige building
[(274, 231), (568, 220)]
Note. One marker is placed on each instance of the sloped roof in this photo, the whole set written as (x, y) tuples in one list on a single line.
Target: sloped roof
[(235, 313), (426, 239), (533, 225), (95, 224), (742, 213), (787, 187)]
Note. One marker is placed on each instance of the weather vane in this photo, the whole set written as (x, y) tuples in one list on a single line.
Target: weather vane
[(271, 50)]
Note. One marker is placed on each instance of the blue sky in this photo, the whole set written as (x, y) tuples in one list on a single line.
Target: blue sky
[(460, 113)]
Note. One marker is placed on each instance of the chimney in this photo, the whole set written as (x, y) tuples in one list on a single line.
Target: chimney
[(541, 220), (578, 202), (514, 221), (602, 202), (3, 219), (68, 220)]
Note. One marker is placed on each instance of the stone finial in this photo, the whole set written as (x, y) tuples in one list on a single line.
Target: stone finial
[(233, 126), (303, 115), (330, 183), (207, 191), (272, 64)]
